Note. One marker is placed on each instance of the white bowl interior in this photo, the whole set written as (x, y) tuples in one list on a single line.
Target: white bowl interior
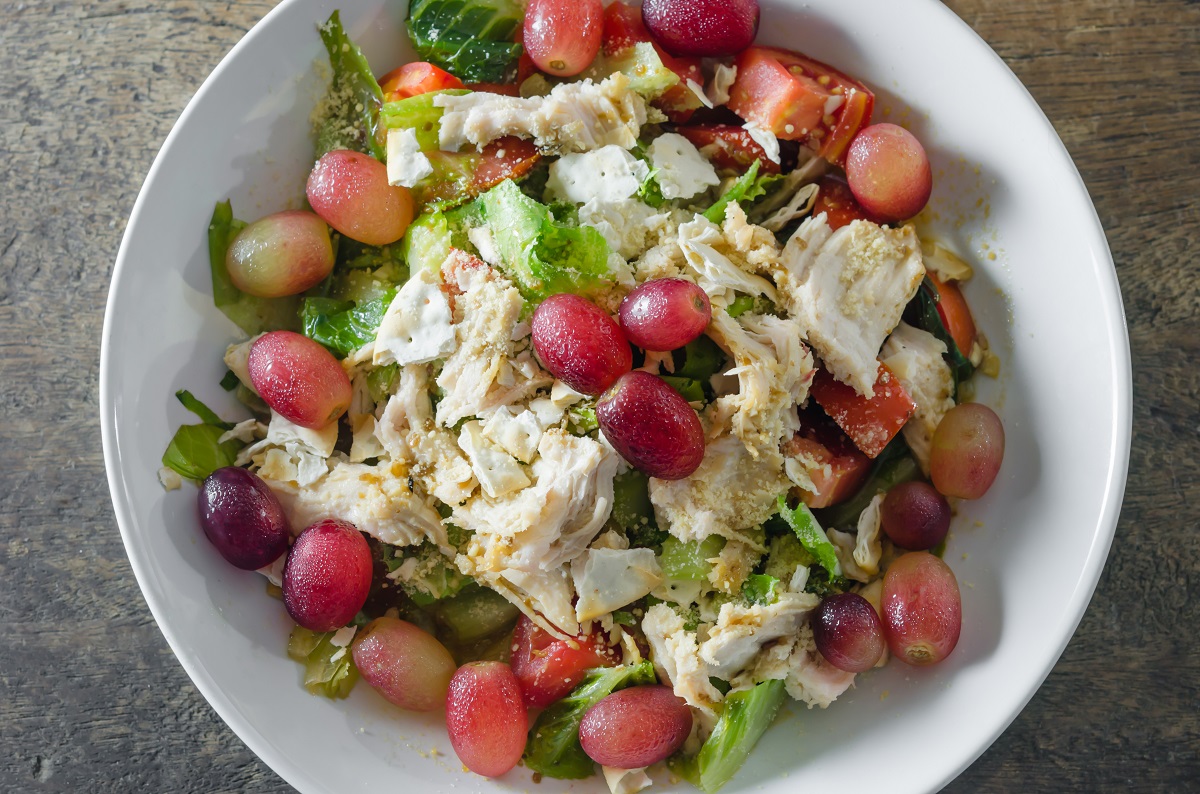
[(1027, 556)]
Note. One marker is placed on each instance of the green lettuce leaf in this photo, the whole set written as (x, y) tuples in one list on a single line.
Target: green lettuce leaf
[(749, 187), (382, 381), (761, 589), (641, 64), (472, 612), (691, 389), (745, 718), (322, 674), (349, 118), (553, 748), (344, 326), (253, 315), (699, 360), (810, 535), (196, 451), (688, 560), (471, 39)]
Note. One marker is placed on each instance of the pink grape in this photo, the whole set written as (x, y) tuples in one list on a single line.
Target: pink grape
[(327, 576), (563, 36), (281, 254), (350, 191), (915, 516), (848, 632), (889, 172), (635, 727), (967, 450), (665, 314), (408, 666), (707, 28), (486, 717), (299, 379), (922, 608), (652, 426), (579, 343), (242, 517)]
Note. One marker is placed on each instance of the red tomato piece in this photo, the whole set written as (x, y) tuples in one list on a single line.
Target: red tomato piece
[(412, 79), (870, 424), (955, 313), (800, 99), (548, 669), (841, 468), (729, 147), (507, 89), (504, 158), (460, 176), (838, 203), (623, 28)]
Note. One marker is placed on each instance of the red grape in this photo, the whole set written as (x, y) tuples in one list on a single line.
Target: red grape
[(547, 668), (652, 426), (848, 632), (242, 517), (579, 343), (967, 450), (635, 727), (708, 28), (406, 665), (350, 191), (299, 379), (281, 254), (327, 576), (665, 314), (486, 718), (915, 516), (922, 609), (563, 36), (889, 172)]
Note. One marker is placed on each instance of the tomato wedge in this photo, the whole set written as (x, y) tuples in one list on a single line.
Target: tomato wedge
[(838, 203), (623, 28), (956, 315), (548, 669), (840, 468), (728, 147), (800, 99), (460, 176), (870, 424), (416, 78)]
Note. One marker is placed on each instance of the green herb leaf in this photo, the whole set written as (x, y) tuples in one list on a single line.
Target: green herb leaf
[(355, 99), (471, 39), (207, 415), (810, 535), (701, 359), (230, 381), (195, 451)]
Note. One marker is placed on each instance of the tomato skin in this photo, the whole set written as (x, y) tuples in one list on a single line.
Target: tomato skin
[(788, 93), (838, 203), (623, 28), (820, 439), (548, 669), (460, 176), (732, 147), (956, 315), (870, 424), (412, 79)]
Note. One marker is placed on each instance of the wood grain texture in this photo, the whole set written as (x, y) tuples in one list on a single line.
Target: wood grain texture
[(91, 698)]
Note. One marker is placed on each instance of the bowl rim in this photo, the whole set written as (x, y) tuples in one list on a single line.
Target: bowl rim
[(1097, 553)]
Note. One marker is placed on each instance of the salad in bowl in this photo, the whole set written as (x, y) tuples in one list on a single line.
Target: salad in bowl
[(607, 393)]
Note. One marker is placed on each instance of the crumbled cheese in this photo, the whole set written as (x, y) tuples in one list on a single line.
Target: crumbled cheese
[(916, 358), (625, 781), (608, 579), (604, 175), (518, 433), (485, 243), (764, 138), (247, 432), (342, 637), (498, 473), (417, 327), (682, 170), (281, 432), (625, 224), (169, 479), (722, 80), (406, 164)]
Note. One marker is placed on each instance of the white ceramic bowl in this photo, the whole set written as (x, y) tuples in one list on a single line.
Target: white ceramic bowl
[(1027, 556)]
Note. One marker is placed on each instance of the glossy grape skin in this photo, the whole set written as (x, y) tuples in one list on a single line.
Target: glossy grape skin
[(350, 191), (915, 516), (651, 426), (486, 718), (848, 632), (327, 576), (281, 254), (922, 608), (406, 665), (299, 379), (563, 36), (242, 517), (967, 451), (665, 314), (635, 727), (579, 343), (707, 28), (889, 172)]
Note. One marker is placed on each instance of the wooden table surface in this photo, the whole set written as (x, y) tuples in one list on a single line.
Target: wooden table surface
[(91, 698)]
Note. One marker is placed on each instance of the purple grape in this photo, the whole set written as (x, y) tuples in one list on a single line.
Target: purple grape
[(652, 426), (328, 575), (665, 314), (848, 632), (915, 516), (242, 517)]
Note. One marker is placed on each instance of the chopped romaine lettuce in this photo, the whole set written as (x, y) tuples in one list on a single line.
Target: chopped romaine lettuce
[(353, 255), (633, 512), (641, 64), (427, 242), (382, 381), (748, 188), (761, 589), (196, 451), (230, 381), (581, 418), (419, 114), (474, 613), (471, 39), (553, 749), (349, 117), (253, 315), (745, 718), (810, 535), (691, 389), (699, 360), (785, 555), (207, 415), (432, 576), (688, 560), (323, 674), (344, 326)]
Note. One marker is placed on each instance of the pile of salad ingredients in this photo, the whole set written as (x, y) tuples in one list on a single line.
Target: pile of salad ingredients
[(607, 384)]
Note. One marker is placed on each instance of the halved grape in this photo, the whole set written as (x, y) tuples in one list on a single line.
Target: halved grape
[(922, 608), (636, 727), (299, 379), (967, 450), (281, 254), (242, 517), (579, 343), (327, 576), (651, 426), (665, 314), (889, 172), (405, 664), (709, 28), (563, 36), (350, 191), (915, 516), (848, 632), (486, 718)]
